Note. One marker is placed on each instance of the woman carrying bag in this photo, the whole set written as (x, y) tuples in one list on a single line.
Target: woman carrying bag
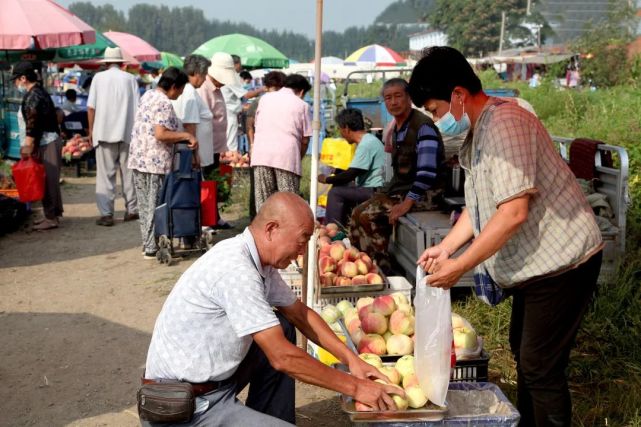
[(42, 139)]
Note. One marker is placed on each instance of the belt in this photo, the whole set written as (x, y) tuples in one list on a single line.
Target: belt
[(198, 388)]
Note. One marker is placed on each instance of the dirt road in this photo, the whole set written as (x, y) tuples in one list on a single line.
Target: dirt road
[(77, 308)]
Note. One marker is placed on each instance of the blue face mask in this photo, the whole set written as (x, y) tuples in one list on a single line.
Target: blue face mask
[(22, 89), (449, 126)]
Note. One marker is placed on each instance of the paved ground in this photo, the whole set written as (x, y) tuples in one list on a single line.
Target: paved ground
[(77, 308)]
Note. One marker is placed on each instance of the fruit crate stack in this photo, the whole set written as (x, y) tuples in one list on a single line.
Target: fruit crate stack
[(293, 276)]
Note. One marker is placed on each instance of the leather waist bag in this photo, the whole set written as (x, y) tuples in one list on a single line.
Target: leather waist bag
[(166, 402)]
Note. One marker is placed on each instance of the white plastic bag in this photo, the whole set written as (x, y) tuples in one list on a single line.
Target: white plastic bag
[(433, 348)]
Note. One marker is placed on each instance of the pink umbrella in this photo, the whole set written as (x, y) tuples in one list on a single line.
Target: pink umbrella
[(133, 46), (40, 24)]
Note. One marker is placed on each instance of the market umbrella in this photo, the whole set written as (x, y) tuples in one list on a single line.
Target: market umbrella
[(40, 24), (85, 51), (167, 59), (253, 52), (380, 55), (330, 60), (133, 46)]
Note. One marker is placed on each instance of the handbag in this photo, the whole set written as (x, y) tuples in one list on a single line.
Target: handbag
[(166, 402), (29, 176)]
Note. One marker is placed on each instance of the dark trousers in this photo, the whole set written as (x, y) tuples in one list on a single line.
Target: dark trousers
[(49, 155), (342, 199), (546, 316), (270, 392)]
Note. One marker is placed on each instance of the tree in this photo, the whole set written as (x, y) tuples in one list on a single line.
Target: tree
[(474, 26), (102, 18)]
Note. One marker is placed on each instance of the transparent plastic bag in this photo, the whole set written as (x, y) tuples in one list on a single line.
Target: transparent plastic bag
[(433, 349)]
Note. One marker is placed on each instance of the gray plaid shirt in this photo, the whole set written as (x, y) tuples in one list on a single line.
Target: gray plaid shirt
[(509, 154), (205, 327)]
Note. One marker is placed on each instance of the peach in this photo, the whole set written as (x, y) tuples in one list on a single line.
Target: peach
[(330, 313), (327, 279), (401, 323), (400, 345), (353, 325), (372, 343), (343, 281), (405, 365), (374, 323), (373, 270), (336, 251), (344, 306), (350, 315), (366, 259), (326, 264), (387, 335), (372, 359), (410, 380), (415, 397), (324, 250), (391, 373), (349, 269), (359, 280), (374, 279), (384, 305), (350, 254), (405, 308), (357, 336), (364, 311), (332, 227), (361, 302), (400, 298), (362, 267), (324, 241)]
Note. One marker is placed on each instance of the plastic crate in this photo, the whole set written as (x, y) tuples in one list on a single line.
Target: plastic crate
[(294, 279), (396, 284), (474, 370)]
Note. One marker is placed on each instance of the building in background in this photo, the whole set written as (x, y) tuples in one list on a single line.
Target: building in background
[(431, 37)]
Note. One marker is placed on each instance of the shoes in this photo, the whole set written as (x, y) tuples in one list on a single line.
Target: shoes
[(105, 221), (131, 217), (223, 225), (46, 224), (149, 255)]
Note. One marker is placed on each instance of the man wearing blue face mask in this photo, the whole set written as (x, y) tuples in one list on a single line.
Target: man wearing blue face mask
[(534, 233)]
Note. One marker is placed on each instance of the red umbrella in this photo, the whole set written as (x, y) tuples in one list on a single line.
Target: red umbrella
[(40, 24), (133, 46)]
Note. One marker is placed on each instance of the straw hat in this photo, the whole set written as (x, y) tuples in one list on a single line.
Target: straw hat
[(112, 54), (222, 69)]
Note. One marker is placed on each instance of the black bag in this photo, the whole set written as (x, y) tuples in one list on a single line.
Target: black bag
[(166, 402)]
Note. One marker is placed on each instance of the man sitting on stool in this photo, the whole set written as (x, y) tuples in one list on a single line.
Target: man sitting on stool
[(367, 168)]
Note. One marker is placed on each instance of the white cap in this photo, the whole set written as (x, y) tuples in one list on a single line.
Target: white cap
[(113, 54), (222, 69)]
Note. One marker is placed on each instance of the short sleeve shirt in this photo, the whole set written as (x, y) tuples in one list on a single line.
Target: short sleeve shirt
[(508, 154), (146, 153), (205, 327), (282, 121), (369, 156), (191, 109), (214, 99)]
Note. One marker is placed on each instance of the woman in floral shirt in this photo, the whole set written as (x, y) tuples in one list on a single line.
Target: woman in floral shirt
[(150, 152)]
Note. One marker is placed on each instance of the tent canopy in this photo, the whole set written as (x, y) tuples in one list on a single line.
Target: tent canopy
[(253, 52)]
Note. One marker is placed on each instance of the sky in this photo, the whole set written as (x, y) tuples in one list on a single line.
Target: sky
[(294, 15)]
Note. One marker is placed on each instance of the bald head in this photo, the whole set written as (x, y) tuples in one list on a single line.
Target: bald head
[(284, 207), (282, 229)]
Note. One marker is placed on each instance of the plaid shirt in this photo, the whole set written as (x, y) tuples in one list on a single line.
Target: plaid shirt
[(508, 154)]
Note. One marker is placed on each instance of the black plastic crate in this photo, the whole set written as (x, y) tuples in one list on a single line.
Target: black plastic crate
[(473, 370)]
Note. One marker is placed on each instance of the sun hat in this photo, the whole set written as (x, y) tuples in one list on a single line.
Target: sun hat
[(222, 69), (113, 54)]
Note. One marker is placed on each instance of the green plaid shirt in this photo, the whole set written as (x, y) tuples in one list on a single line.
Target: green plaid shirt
[(508, 154)]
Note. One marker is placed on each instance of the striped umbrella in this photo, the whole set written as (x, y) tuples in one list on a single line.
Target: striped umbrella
[(380, 55)]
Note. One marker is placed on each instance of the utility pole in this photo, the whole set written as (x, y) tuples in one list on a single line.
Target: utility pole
[(529, 8), (502, 33)]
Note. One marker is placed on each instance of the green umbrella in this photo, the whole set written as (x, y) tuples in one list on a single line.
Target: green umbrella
[(253, 52), (85, 51), (167, 59)]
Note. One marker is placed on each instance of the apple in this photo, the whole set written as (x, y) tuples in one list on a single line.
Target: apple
[(405, 365), (372, 359), (465, 338), (400, 345), (374, 323), (384, 305), (401, 323), (372, 343), (415, 397), (391, 373)]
